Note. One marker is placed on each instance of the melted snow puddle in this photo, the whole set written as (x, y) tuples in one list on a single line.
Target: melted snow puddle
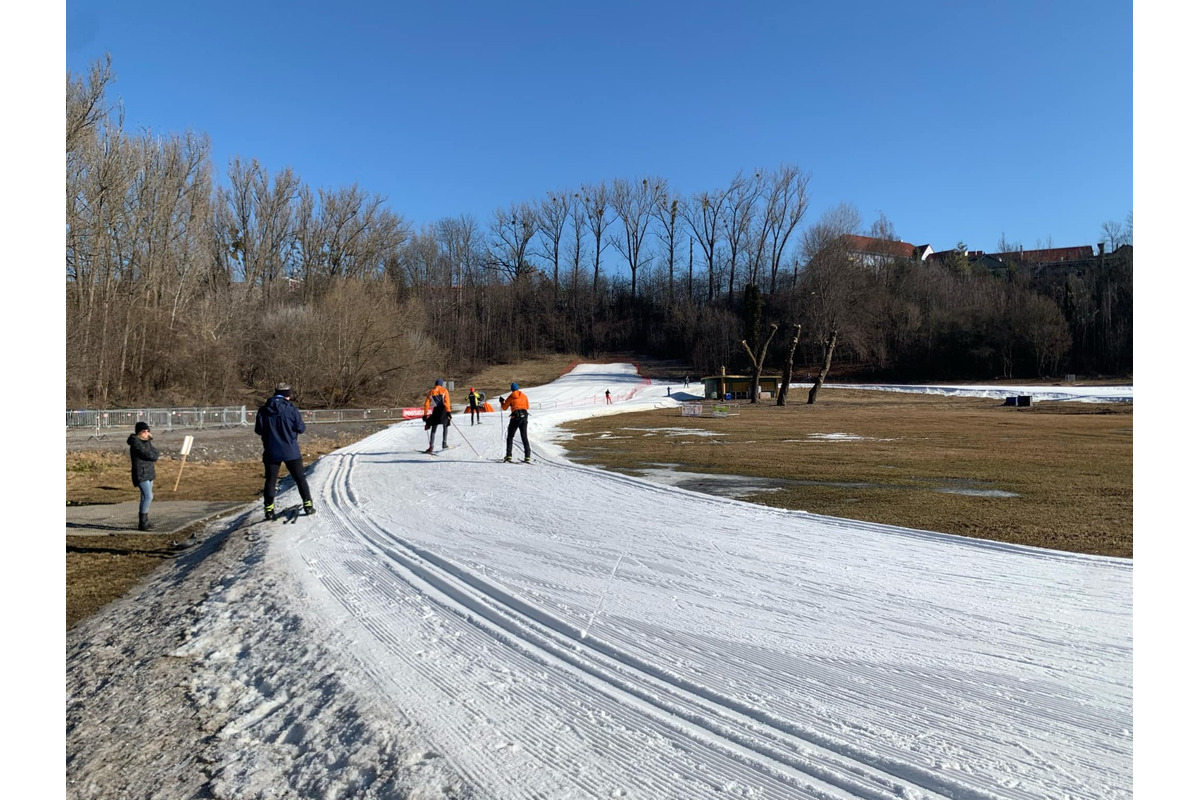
[(735, 487), (839, 437)]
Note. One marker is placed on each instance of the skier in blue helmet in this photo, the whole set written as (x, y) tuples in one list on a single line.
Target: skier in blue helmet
[(517, 404)]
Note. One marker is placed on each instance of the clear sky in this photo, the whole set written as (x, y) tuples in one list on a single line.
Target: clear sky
[(960, 121)]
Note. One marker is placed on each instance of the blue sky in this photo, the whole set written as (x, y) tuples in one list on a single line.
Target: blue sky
[(957, 120)]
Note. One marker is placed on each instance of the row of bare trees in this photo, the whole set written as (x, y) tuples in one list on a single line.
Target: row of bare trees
[(180, 290)]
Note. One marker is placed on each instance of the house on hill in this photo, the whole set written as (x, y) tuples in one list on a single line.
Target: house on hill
[(1054, 255), (872, 252), (1046, 262)]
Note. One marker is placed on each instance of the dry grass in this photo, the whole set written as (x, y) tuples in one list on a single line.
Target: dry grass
[(103, 477), (910, 461), (100, 569)]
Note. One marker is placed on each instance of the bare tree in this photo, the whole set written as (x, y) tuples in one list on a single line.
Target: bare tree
[(735, 217), (86, 106), (262, 216), (577, 211), (512, 230), (702, 216), (667, 210), (1003, 245), (830, 343), (633, 203), (827, 284), (1114, 234), (552, 216), (1046, 331), (882, 228), (786, 379), (460, 239), (596, 200), (757, 359), (786, 202)]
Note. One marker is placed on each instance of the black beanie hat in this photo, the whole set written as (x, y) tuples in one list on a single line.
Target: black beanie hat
[(141, 426)]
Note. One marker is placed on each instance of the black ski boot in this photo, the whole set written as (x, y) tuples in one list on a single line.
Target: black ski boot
[(269, 512), (308, 507), (144, 523)]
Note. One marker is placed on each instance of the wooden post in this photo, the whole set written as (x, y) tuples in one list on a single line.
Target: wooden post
[(187, 448)]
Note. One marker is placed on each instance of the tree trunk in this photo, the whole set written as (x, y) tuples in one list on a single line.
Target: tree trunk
[(816, 387), (758, 363), (787, 369)]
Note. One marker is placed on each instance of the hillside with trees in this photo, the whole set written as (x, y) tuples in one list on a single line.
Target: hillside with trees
[(184, 288)]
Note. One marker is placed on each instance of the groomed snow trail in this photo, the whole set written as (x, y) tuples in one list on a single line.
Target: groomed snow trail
[(559, 631)]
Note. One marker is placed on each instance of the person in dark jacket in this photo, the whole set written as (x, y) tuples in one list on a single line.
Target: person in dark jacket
[(278, 422), (142, 455), (474, 404), (437, 413)]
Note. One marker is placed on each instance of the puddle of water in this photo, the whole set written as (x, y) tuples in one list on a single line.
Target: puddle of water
[(736, 487)]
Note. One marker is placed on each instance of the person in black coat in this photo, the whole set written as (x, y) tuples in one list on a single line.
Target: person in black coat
[(278, 422), (142, 455)]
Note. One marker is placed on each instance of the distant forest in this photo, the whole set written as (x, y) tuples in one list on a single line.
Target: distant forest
[(181, 291)]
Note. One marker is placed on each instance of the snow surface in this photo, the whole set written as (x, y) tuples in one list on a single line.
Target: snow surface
[(1040, 393), (452, 626)]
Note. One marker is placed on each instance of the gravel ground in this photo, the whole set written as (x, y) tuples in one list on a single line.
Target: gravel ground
[(216, 444)]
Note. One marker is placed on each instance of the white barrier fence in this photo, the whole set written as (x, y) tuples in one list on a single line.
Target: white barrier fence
[(167, 419)]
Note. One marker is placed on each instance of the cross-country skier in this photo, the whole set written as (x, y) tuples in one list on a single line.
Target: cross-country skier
[(518, 419), (437, 413), (474, 404)]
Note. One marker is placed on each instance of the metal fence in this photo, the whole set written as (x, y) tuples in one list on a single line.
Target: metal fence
[(166, 419)]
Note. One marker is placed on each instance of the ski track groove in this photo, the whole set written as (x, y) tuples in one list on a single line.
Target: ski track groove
[(750, 741), (734, 743)]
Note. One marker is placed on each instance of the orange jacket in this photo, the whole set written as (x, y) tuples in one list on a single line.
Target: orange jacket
[(517, 401), (429, 399)]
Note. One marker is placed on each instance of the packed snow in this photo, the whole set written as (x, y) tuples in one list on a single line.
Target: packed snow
[(452, 626)]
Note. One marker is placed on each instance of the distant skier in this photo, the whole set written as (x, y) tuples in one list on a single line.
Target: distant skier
[(279, 424), (437, 413), (142, 455), (518, 419), (607, 397), (474, 404)]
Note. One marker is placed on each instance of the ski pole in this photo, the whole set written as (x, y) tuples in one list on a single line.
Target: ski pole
[(465, 439)]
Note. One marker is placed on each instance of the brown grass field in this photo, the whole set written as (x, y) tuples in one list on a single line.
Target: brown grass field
[(1055, 475)]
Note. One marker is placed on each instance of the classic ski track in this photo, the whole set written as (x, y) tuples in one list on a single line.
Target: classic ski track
[(770, 747)]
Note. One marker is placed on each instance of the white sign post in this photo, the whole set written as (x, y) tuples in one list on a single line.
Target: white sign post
[(187, 448)]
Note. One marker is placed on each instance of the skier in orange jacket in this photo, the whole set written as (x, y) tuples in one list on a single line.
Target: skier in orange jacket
[(518, 403), (437, 413)]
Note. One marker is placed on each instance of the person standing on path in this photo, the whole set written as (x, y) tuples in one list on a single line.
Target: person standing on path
[(474, 404), (518, 419), (437, 413), (607, 397), (142, 455), (279, 424)]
